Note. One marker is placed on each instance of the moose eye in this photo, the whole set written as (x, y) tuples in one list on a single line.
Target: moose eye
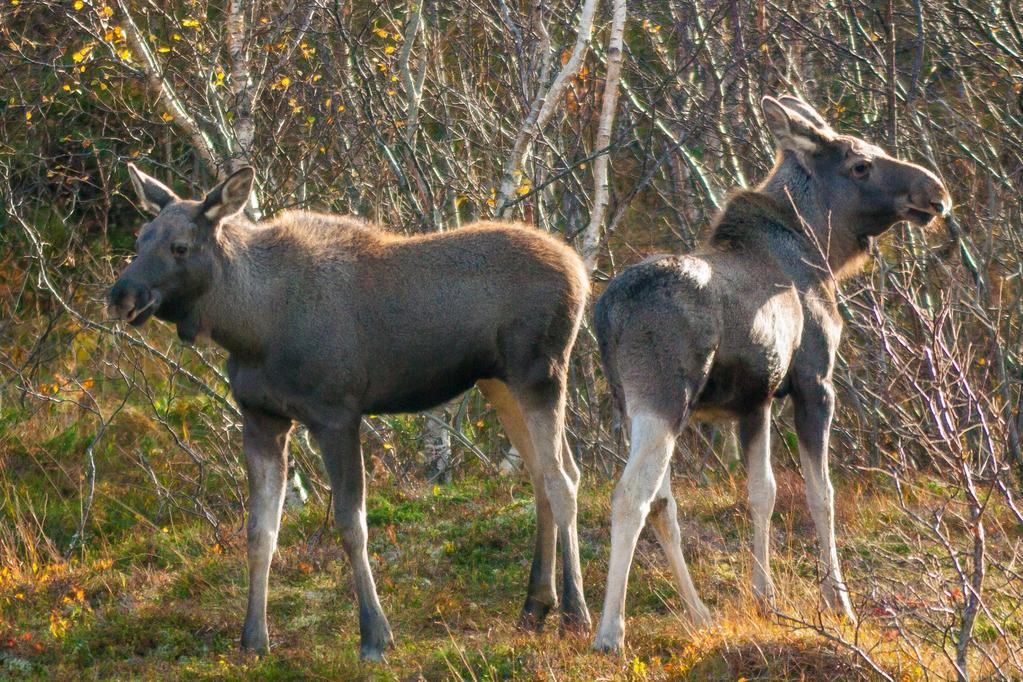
[(179, 249), (861, 170)]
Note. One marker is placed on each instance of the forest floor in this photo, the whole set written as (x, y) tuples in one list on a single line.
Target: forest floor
[(160, 594), (451, 564)]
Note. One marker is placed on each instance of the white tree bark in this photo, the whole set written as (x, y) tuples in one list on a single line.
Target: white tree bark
[(591, 236), (545, 101), (243, 94), (413, 82), (169, 101), (437, 446)]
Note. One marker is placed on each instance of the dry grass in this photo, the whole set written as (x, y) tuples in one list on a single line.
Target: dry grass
[(158, 593), (163, 602)]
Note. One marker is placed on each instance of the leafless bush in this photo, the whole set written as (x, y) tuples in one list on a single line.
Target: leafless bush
[(427, 115)]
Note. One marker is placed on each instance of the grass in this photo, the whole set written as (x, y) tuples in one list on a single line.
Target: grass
[(451, 564), (158, 593)]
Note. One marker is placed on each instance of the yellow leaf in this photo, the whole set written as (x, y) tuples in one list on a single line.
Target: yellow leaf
[(87, 384), (79, 4), (125, 55), (190, 23), (638, 667), (106, 11), (28, 115), (389, 49), (387, 446), (163, 48), (67, 88), (166, 117), (381, 33), (391, 93), (176, 36)]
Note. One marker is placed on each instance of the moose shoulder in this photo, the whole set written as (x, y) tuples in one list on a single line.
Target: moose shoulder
[(328, 318), (749, 316)]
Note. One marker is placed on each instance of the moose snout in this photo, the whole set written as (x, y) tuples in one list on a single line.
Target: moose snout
[(130, 301), (928, 195)]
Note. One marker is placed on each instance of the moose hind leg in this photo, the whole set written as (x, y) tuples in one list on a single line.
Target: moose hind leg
[(342, 457), (664, 519), (754, 432), (541, 595), (544, 410), (265, 442), (653, 439)]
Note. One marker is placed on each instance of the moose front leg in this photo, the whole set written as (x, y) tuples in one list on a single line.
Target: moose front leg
[(814, 407), (265, 441), (342, 457)]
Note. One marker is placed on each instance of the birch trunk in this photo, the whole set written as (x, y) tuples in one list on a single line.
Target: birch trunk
[(544, 103), (591, 236)]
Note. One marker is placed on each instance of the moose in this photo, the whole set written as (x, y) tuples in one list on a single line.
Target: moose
[(748, 317), (327, 318)]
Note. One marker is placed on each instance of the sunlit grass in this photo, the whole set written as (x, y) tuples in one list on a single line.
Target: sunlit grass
[(157, 592)]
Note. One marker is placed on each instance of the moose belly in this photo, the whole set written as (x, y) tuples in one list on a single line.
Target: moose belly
[(751, 369), (417, 387), (733, 388)]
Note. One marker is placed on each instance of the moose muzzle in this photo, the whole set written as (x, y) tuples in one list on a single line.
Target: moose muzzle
[(132, 302), (927, 199)]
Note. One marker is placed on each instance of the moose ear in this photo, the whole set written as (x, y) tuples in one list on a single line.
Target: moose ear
[(793, 103), (153, 194), (793, 131), (229, 197)]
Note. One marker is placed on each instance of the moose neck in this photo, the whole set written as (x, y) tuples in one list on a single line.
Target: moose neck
[(837, 250), (235, 310)]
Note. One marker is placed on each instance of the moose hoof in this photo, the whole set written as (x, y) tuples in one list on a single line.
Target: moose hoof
[(610, 640), (376, 638), (836, 600), (843, 611), (765, 599), (699, 616), (576, 621), (534, 613), (256, 640)]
